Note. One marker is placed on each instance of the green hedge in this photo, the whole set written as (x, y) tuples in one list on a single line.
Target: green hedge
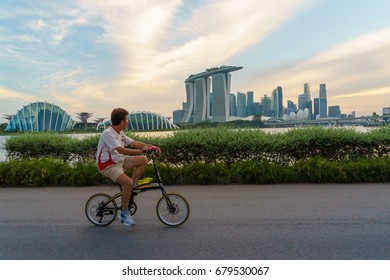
[(220, 145), (46, 171), (212, 156), (54, 172), (229, 146), (54, 145)]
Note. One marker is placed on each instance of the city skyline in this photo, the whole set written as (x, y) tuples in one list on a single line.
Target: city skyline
[(80, 54)]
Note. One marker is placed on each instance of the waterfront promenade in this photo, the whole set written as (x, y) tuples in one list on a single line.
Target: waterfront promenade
[(271, 222)]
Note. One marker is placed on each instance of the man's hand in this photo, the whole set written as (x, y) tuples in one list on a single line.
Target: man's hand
[(150, 148)]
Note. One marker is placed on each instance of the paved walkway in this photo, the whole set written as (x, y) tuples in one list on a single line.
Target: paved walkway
[(227, 222)]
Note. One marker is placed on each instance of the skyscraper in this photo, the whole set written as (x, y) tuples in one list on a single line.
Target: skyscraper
[(221, 97), (202, 92), (233, 105), (188, 106), (241, 104), (316, 107), (277, 102), (334, 111), (306, 91), (266, 104), (249, 103), (304, 98), (201, 105), (323, 103), (291, 107), (302, 101)]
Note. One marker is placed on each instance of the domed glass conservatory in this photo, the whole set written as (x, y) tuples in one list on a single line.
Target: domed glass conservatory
[(142, 120), (40, 116)]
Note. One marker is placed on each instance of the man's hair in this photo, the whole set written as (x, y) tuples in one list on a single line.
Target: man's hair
[(117, 115)]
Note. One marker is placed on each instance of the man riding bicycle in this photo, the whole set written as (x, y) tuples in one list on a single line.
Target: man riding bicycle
[(114, 158)]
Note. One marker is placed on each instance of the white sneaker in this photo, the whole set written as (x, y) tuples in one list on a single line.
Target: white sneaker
[(126, 218)]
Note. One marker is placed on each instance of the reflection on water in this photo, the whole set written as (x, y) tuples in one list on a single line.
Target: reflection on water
[(2, 151), (3, 155)]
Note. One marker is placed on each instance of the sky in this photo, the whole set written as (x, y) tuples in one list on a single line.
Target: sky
[(96, 55)]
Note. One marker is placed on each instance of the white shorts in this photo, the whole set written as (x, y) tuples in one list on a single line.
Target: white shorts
[(114, 171)]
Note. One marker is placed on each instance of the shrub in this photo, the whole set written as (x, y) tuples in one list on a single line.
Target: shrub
[(48, 172), (220, 145), (212, 156), (45, 171)]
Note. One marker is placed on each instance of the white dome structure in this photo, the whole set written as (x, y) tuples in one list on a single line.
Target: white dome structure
[(301, 115), (293, 116), (305, 113), (143, 120), (40, 116)]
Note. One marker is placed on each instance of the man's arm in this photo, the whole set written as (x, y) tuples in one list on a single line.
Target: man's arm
[(144, 147), (140, 148), (129, 152)]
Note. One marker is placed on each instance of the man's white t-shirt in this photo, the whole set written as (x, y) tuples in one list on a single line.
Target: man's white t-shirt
[(109, 140)]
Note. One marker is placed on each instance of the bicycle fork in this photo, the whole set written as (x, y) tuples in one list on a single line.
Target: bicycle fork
[(171, 207)]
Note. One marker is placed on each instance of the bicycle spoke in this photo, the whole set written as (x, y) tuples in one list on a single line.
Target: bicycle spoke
[(99, 212), (174, 213)]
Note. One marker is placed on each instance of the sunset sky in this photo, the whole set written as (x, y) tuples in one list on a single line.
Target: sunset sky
[(94, 56)]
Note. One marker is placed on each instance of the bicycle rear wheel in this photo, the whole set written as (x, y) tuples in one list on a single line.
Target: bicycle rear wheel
[(173, 209), (98, 212)]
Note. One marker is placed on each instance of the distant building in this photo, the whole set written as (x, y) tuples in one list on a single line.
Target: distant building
[(277, 102), (233, 105), (291, 107), (386, 114), (323, 103), (334, 112), (257, 109), (302, 101), (266, 104), (142, 120), (201, 105), (249, 103), (40, 116), (221, 97), (241, 105), (309, 107), (316, 112), (178, 116), (306, 91)]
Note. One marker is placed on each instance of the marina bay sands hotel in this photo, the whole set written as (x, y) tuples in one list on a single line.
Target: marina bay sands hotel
[(208, 95)]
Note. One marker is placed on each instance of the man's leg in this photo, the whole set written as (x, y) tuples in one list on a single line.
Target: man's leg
[(138, 165), (127, 186)]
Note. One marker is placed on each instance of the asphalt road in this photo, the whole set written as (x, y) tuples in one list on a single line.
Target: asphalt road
[(271, 222)]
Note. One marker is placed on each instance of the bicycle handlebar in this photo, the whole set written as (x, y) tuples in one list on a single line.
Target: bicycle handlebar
[(153, 152)]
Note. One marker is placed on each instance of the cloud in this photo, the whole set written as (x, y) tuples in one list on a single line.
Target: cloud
[(160, 47), (214, 33), (86, 96), (366, 93), (37, 24), (7, 94), (62, 27)]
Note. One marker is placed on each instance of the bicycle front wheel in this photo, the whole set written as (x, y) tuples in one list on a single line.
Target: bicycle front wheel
[(173, 209), (99, 212)]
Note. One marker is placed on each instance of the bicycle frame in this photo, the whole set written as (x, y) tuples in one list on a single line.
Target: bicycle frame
[(143, 188)]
